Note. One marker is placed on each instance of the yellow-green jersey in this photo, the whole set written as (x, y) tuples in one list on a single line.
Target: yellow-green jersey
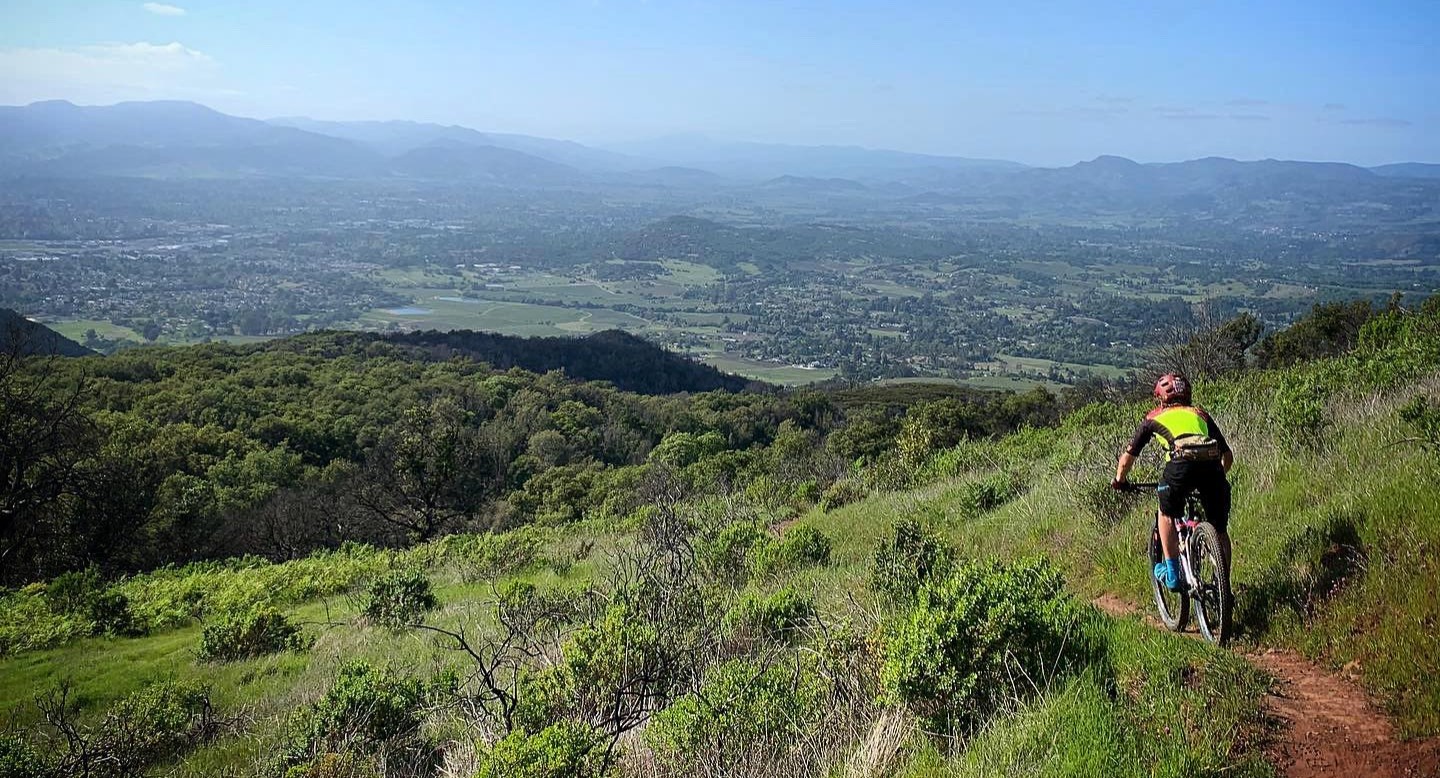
[(1177, 424)]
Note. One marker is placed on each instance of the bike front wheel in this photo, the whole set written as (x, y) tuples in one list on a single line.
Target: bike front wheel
[(1214, 601), (1174, 607)]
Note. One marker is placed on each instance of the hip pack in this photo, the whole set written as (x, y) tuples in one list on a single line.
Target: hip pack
[(1195, 448)]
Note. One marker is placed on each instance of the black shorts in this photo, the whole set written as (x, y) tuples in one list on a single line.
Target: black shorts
[(1205, 478)]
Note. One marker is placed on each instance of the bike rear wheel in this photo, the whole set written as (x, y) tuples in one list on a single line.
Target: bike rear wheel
[(1213, 599), (1174, 607)]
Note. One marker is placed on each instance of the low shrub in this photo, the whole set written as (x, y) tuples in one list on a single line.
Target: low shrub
[(398, 600), (911, 556), (779, 616), (83, 595), (725, 555), (989, 493), (543, 697), (1299, 410), (493, 555), (159, 722), (252, 633), (337, 766), (524, 603), (156, 723), (1421, 418), (1108, 507), (981, 638), (367, 711), (565, 749), (800, 546), (743, 710), (842, 493), (19, 758)]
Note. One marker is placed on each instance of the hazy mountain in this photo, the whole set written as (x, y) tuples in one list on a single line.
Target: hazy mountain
[(1256, 194), (59, 124), (166, 138), (1408, 170), (459, 162), (812, 184), (397, 137), (769, 160), (20, 335), (675, 176)]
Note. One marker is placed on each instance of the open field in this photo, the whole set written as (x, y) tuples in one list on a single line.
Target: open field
[(785, 375)]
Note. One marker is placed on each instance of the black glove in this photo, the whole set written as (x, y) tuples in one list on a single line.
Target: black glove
[(1119, 485)]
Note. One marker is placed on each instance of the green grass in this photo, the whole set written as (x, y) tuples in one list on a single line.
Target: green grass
[(74, 329), (1335, 540), (509, 318), (1007, 362), (1336, 530), (1164, 706), (784, 375)]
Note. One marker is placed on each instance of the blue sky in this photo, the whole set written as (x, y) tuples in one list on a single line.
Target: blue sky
[(1038, 82)]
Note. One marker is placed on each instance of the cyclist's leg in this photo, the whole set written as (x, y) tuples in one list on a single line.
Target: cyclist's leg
[(1172, 492), (1215, 497), (1174, 488)]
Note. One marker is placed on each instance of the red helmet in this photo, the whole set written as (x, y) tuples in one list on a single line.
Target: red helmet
[(1173, 388)]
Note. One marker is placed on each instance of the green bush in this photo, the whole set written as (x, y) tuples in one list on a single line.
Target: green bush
[(1299, 410), (542, 697), (725, 556), (252, 633), (617, 651), (565, 749), (742, 709), (368, 710), (982, 637), (779, 616), (399, 599), (989, 493), (912, 555), (19, 758), (800, 546), (83, 595), (156, 723), (1422, 421), (524, 603), (842, 493), (337, 766), (159, 722), (492, 555)]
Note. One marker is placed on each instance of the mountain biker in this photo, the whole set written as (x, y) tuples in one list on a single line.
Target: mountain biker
[(1197, 459)]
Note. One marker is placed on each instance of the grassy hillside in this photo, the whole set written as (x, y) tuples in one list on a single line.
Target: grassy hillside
[(924, 613)]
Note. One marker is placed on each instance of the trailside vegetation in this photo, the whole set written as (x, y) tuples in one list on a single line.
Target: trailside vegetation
[(699, 608)]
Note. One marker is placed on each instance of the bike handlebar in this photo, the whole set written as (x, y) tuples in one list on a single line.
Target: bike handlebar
[(1137, 486)]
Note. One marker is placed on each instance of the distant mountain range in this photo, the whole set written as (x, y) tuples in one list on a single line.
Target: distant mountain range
[(182, 139), (768, 160)]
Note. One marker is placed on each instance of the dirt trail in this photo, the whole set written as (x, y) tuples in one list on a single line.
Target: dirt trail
[(1328, 726)]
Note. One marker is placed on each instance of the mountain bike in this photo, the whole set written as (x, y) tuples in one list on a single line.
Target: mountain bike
[(1204, 572)]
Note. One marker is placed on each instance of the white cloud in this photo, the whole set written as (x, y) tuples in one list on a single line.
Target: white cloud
[(106, 73), (163, 9)]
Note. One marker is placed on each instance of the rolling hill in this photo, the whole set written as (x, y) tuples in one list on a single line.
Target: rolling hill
[(19, 335)]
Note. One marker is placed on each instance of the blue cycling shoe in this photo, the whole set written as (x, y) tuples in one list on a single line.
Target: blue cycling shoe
[(1168, 573)]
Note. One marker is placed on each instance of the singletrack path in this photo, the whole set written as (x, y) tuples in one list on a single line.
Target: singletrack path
[(1328, 726)]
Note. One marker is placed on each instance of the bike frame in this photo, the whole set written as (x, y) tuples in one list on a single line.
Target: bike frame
[(1185, 529)]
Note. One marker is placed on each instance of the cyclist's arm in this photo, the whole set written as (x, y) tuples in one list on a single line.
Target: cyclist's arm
[(1122, 469), (1132, 451)]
